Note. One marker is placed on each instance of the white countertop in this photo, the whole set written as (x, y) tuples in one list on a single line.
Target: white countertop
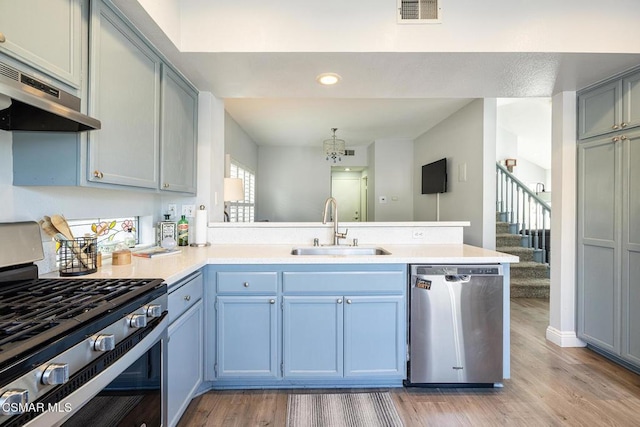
[(172, 268)]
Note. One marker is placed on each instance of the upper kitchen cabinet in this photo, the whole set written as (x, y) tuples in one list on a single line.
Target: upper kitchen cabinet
[(178, 134), (46, 35), (124, 79), (613, 106)]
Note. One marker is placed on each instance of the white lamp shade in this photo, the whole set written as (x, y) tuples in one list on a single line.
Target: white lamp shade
[(233, 189)]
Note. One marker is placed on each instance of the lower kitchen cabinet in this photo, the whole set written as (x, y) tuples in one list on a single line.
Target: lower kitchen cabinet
[(247, 331), (313, 336), (307, 325), (185, 348)]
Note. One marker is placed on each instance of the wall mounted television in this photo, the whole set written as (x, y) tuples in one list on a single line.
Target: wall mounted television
[(434, 177)]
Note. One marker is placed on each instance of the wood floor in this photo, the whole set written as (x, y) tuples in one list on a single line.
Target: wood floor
[(549, 386)]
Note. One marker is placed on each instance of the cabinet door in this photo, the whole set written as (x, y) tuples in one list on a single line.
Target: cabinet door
[(600, 110), (247, 336), (631, 249), (631, 101), (313, 336), (374, 336), (124, 94), (598, 243), (178, 136), (45, 34), (185, 361)]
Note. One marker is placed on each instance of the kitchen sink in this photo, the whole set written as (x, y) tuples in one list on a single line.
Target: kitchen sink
[(338, 250)]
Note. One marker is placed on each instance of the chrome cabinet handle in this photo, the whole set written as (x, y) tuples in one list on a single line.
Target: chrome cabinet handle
[(187, 297), (56, 373), (245, 284), (272, 301), (339, 301), (98, 174), (348, 301)]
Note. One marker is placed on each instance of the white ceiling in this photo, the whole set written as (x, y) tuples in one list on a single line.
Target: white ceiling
[(275, 98)]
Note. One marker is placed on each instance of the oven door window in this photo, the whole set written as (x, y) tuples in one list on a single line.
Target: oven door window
[(133, 399)]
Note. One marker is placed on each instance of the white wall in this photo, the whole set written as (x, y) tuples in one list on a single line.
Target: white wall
[(294, 183), (460, 139), (531, 174), (371, 25), (239, 145), (394, 180)]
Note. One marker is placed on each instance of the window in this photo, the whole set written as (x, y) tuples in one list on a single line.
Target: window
[(243, 211), (419, 11)]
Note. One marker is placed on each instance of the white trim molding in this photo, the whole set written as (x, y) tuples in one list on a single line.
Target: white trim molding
[(564, 338)]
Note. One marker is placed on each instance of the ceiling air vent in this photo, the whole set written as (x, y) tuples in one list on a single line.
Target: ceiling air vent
[(349, 152), (419, 11)]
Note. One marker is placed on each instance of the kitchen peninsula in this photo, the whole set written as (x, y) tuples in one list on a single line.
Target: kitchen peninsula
[(252, 315)]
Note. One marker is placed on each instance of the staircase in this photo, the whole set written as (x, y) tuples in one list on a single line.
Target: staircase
[(529, 278), (520, 217)]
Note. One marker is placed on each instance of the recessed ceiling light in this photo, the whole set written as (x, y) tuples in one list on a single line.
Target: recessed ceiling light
[(347, 169), (328, 78)]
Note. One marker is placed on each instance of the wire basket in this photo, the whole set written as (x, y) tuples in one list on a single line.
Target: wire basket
[(78, 256)]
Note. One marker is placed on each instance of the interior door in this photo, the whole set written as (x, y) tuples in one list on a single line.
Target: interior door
[(346, 191)]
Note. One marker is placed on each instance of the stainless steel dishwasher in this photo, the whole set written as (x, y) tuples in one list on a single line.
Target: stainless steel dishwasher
[(455, 324)]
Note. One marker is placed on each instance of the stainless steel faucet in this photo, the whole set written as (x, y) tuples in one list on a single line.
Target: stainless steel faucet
[(336, 235)]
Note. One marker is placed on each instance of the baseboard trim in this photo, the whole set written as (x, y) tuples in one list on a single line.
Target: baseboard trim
[(564, 338)]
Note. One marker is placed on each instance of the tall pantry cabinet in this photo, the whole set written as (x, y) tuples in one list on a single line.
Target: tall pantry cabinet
[(609, 220)]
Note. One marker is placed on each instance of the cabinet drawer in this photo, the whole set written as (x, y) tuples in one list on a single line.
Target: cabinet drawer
[(343, 282), (234, 282), (184, 297)]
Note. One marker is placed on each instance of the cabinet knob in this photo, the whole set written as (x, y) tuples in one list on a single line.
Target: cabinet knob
[(623, 138), (2, 38), (623, 125), (272, 301), (187, 297), (348, 301), (165, 185), (245, 284), (339, 301), (98, 174), (614, 127), (615, 139)]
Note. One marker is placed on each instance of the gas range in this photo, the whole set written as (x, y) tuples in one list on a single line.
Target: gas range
[(60, 338)]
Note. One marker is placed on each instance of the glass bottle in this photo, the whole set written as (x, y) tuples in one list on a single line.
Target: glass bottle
[(183, 231)]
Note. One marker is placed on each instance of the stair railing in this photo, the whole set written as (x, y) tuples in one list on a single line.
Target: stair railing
[(530, 214)]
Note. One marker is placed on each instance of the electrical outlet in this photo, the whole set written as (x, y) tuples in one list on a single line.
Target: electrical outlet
[(418, 234), (189, 210), (172, 210)]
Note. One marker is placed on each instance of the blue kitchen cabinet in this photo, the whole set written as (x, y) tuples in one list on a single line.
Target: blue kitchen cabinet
[(178, 136), (124, 79), (374, 339), (247, 331), (46, 35), (313, 336)]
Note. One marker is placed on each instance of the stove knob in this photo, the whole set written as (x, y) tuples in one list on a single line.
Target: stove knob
[(138, 320), (56, 373), (103, 342), (12, 402), (154, 310)]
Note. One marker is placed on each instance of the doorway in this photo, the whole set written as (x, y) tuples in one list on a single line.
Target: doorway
[(349, 188)]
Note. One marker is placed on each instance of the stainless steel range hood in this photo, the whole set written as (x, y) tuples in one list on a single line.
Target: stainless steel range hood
[(29, 104)]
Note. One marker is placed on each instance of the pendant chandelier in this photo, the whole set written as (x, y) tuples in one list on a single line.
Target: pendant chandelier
[(334, 148)]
